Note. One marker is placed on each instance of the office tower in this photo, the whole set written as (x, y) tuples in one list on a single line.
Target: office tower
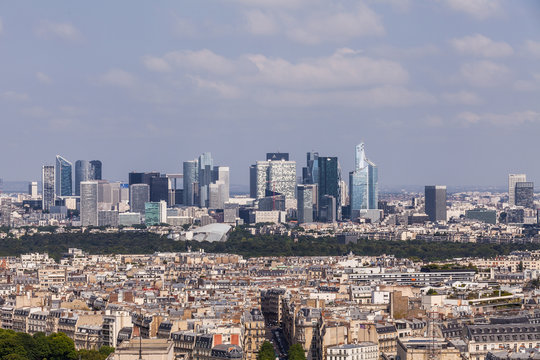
[(327, 209), (33, 189), (253, 181), (5, 211), (155, 213), (191, 181), (139, 194), (48, 183), (159, 188), (277, 156), (512, 180), (222, 174), (108, 218), (275, 177), (142, 177), (89, 203), (175, 190), (310, 173), (95, 170), (63, 177), (205, 168), (524, 194), (83, 172), (124, 193), (435, 204), (363, 183), (329, 180), (305, 195)]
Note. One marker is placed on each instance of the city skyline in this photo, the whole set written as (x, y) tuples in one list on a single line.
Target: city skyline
[(276, 83)]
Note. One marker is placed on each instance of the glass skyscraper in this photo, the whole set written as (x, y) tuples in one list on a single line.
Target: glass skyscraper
[(63, 177), (83, 171), (329, 181), (96, 169), (363, 182), (89, 203), (47, 179), (191, 180)]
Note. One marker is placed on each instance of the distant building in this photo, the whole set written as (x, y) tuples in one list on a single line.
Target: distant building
[(48, 182), (483, 215), (277, 156), (63, 178), (33, 189), (159, 188), (95, 168), (363, 184), (155, 213), (327, 209), (363, 350), (310, 173), (139, 194), (524, 194), (191, 183), (89, 203), (129, 219), (274, 177), (329, 181), (83, 172), (305, 203), (512, 180), (108, 218), (435, 202)]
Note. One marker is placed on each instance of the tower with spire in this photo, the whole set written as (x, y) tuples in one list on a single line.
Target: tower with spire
[(363, 182)]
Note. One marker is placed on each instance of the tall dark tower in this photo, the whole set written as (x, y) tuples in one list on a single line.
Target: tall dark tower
[(436, 202), (329, 181), (96, 169)]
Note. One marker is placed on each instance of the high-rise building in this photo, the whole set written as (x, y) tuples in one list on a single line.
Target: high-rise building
[(327, 209), (5, 211), (253, 181), (218, 189), (277, 156), (524, 194), (191, 183), (33, 189), (205, 169), (83, 172), (48, 183), (305, 194), (363, 183), (310, 173), (63, 177), (275, 177), (159, 188), (512, 180), (95, 166), (329, 180), (435, 204), (89, 203), (155, 213), (139, 194)]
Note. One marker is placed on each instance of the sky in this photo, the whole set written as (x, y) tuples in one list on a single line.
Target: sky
[(440, 91)]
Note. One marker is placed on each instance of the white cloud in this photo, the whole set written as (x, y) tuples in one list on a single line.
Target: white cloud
[(184, 27), (201, 60), (484, 73), (515, 118), (462, 97), (13, 96), (43, 78), (156, 64), (65, 31), (345, 68), (480, 45), (222, 89), (533, 48), (479, 9), (118, 77), (260, 23)]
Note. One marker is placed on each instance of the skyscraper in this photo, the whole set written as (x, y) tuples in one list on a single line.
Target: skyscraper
[(205, 168), (435, 206), (96, 169), (159, 188), (83, 172), (310, 173), (48, 181), (63, 177), (305, 194), (277, 156), (363, 183), (155, 213), (329, 180), (139, 194), (33, 189), (191, 181), (275, 177), (512, 180), (524, 194), (89, 203)]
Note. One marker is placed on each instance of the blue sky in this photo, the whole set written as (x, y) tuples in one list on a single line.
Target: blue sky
[(441, 91)]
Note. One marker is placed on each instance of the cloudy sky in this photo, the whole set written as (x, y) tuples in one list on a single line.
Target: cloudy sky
[(441, 91)]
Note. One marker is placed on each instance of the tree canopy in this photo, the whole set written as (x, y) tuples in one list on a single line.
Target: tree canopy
[(266, 352), (296, 352)]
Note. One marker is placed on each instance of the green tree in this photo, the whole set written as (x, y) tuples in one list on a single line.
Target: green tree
[(41, 348), (296, 352), (106, 350), (266, 352), (62, 347)]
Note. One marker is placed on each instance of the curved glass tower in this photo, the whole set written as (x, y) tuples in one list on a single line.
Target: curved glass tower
[(363, 182), (63, 177)]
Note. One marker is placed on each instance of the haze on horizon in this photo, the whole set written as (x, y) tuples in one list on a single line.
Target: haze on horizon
[(442, 91)]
